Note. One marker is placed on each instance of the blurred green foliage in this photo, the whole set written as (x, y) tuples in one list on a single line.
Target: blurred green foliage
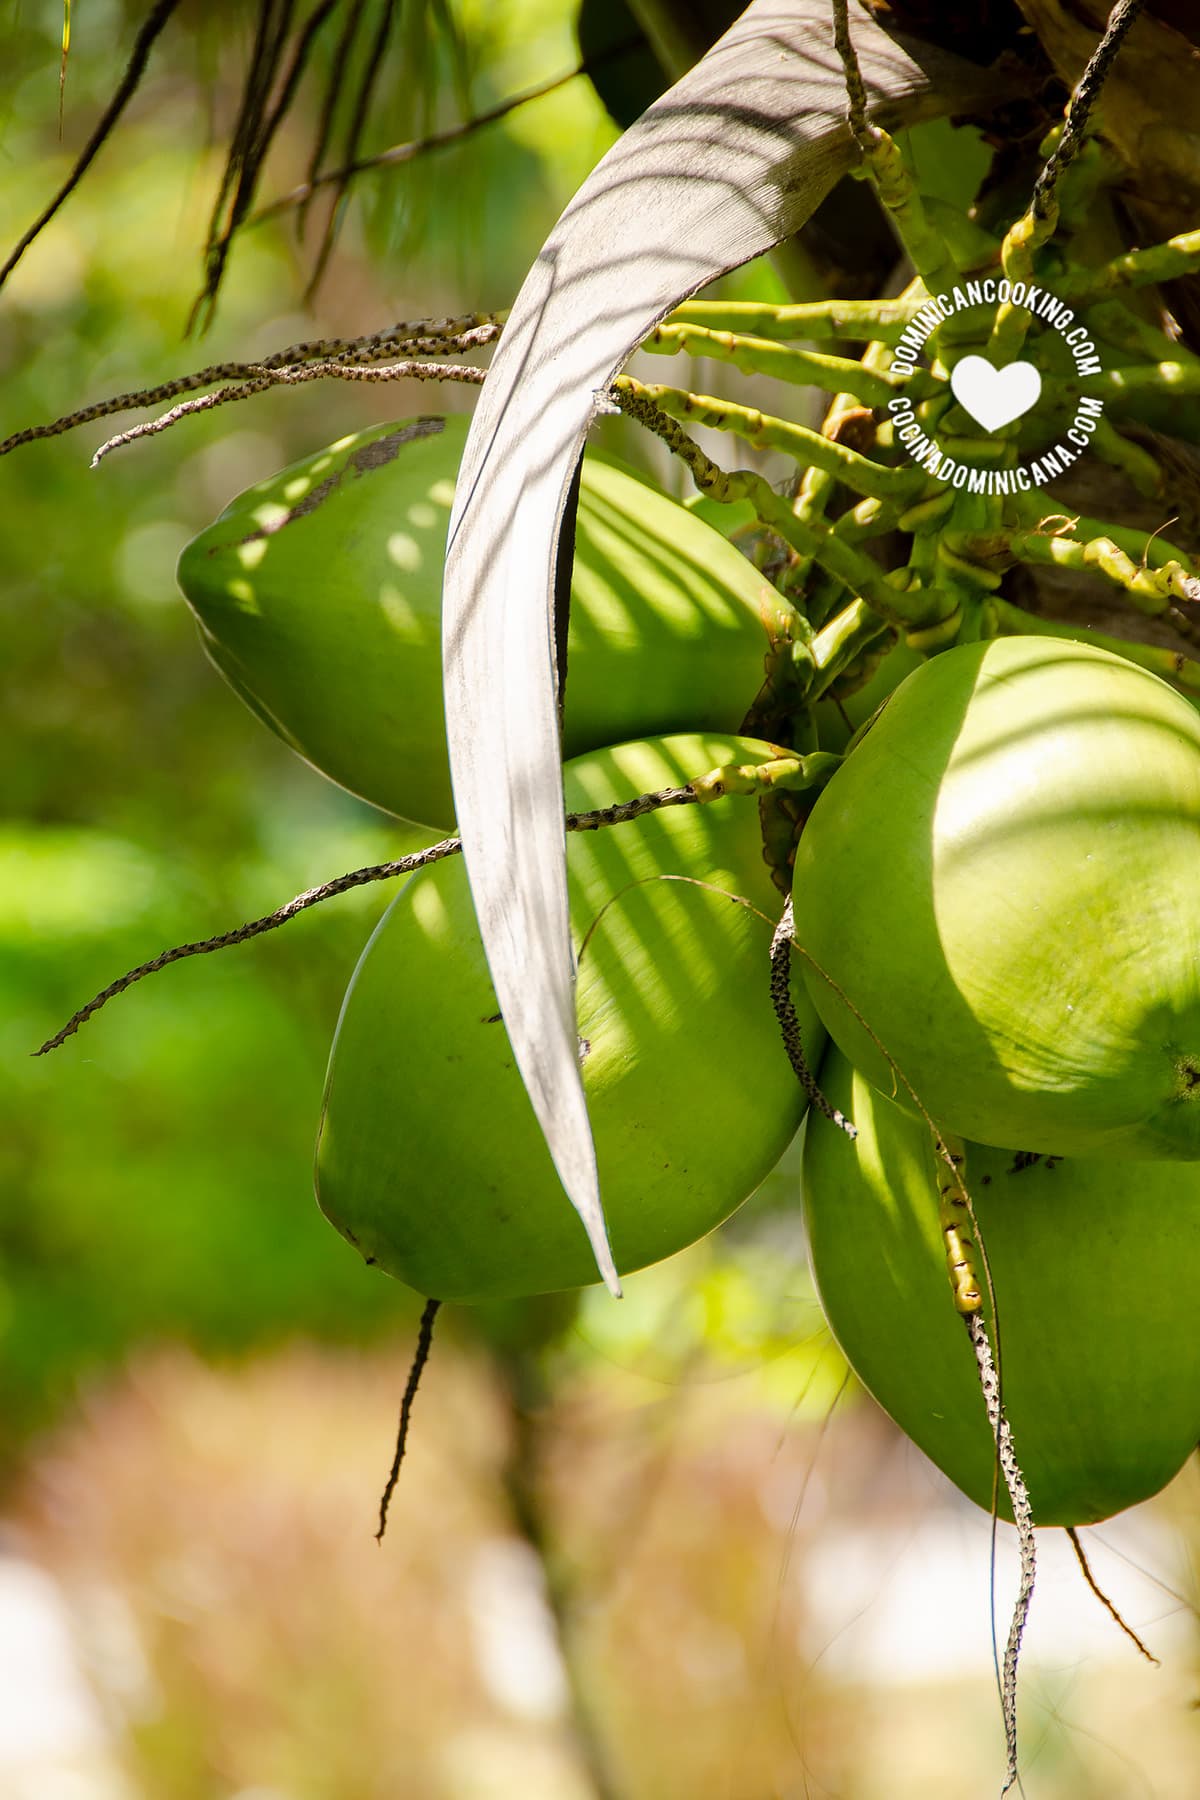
[(155, 1173)]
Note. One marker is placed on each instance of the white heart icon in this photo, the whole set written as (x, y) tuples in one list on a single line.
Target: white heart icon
[(994, 397)]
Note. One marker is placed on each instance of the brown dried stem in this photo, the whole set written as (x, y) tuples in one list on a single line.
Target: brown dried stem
[(402, 153), (789, 1023), (1102, 1597), (618, 814), (420, 337), (420, 1358), (1018, 1494), (258, 384), (1074, 130)]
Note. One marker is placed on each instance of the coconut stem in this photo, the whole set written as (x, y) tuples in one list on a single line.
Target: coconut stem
[(884, 165), (1155, 591), (1018, 1494), (957, 1221), (739, 779), (803, 368), (1174, 257), (1038, 223), (840, 644), (408, 370), (764, 431), (420, 1358), (814, 496), (1074, 130), (954, 1216), (789, 1023), (1181, 671), (1102, 1597), (419, 337), (871, 321), (917, 609)]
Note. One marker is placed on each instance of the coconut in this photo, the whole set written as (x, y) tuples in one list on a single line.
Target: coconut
[(318, 594), (430, 1159), (998, 895), (1094, 1265)]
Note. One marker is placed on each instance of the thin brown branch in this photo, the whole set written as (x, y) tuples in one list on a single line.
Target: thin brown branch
[(621, 813), (252, 136), (258, 384), (789, 1023), (1074, 130), (259, 73), (333, 90), (240, 934), (865, 135), (440, 140), (1102, 1597), (419, 337), (420, 1358), (201, 403), (362, 105), (1018, 1495)]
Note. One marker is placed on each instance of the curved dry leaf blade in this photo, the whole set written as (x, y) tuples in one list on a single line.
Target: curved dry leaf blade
[(732, 159)]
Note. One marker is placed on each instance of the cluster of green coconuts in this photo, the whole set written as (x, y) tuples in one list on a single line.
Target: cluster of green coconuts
[(997, 914)]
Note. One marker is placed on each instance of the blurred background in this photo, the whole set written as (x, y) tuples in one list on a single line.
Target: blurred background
[(639, 1551)]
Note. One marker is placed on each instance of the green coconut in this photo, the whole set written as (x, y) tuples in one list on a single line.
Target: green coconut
[(1095, 1266), (318, 594), (1003, 882), (429, 1157)]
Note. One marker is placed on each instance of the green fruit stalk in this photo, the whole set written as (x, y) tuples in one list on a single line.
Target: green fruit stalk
[(839, 718), (1095, 1266), (429, 1157), (318, 595), (1002, 881)]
